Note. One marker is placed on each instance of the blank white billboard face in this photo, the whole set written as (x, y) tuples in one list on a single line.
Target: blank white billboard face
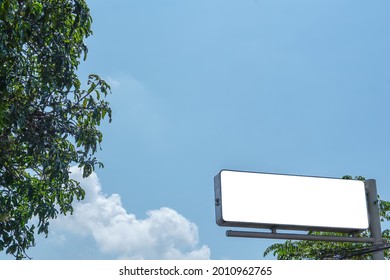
[(247, 199)]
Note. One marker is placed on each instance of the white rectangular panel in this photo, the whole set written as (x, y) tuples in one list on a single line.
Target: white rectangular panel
[(248, 199)]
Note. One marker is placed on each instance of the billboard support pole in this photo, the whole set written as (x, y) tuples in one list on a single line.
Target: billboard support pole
[(374, 218), (295, 236)]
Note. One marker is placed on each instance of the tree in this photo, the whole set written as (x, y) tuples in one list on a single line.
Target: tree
[(299, 250), (47, 121)]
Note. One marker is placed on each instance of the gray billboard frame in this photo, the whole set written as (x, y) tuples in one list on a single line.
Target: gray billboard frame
[(373, 215)]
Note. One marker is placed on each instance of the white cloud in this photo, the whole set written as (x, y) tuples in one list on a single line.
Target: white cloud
[(113, 83), (163, 234)]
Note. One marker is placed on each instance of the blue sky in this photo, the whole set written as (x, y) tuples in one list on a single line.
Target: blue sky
[(293, 87)]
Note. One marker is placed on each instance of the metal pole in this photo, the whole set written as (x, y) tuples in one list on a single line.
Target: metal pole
[(294, 236), (374, 218)]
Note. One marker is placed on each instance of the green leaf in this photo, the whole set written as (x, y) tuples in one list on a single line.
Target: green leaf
[(37, 7)]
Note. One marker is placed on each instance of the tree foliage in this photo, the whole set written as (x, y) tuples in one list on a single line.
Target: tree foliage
[(300, 250), (47, 121)]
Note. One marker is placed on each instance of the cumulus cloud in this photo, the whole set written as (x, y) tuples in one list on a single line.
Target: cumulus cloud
[(163, 234)]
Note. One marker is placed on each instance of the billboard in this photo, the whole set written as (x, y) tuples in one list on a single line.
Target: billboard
[(263, 200)]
